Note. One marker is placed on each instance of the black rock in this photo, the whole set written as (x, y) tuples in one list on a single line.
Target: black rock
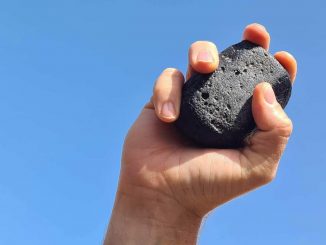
[(216, 107)]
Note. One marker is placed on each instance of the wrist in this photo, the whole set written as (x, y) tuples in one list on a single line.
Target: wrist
[(142, 216)]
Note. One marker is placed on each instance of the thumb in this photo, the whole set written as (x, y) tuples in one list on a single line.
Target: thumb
[(266, 146)]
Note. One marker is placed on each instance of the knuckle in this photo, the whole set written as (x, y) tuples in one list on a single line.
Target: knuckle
[(170, 70), (269, 177), (266, 177), (199, 44), (285, 129), (156, 91), (195, 44), (264, 172), (173, 73), (211, 45), (169, 82), (158, 83)]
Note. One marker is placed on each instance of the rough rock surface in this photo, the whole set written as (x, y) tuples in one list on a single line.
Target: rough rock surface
[(216, 107)]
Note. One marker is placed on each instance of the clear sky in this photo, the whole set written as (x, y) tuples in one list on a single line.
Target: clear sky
[(75, 74)]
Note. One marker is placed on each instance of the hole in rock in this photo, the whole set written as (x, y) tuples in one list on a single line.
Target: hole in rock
[(205, 95)]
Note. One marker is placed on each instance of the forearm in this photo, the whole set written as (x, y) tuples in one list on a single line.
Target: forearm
[(139, 219)]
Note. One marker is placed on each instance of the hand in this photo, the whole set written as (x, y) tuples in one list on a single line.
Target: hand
[(167, 183)]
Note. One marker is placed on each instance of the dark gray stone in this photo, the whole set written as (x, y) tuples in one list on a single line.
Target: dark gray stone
[(216, 107)]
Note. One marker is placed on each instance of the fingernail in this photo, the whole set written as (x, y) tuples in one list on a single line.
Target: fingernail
[(205, 56), (269, 94), (168, 110)]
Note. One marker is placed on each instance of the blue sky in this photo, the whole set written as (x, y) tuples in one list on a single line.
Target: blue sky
[(74, 76)]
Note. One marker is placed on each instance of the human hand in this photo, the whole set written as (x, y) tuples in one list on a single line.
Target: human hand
[(168, 183)]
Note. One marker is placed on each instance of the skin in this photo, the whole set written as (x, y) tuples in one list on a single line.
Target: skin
[(167, 185)]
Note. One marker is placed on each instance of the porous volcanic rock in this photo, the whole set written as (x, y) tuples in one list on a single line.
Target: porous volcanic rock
[(216, 107)]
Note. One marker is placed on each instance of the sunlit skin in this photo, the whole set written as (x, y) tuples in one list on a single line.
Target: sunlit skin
[(167, 185)]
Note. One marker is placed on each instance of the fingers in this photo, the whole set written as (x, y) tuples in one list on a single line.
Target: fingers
[(267, 112), (203, 58), (257, 34), (288, 62), (167, 94), (268, 143), (203, 55)]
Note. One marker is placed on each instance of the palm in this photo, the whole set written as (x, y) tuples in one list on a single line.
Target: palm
[(157, 158)]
